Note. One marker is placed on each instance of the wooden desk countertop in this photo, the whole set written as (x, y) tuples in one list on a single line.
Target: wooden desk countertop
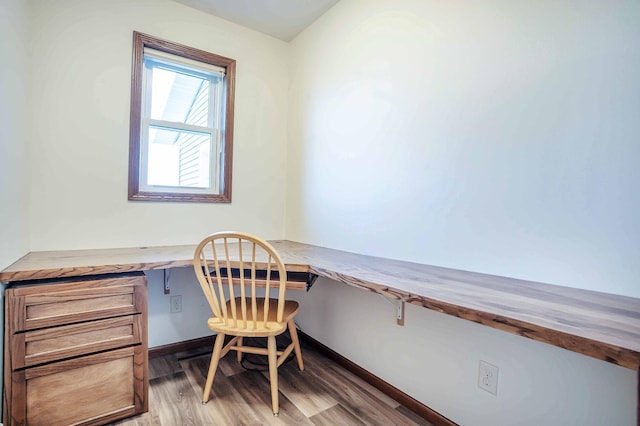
[(600, 325)]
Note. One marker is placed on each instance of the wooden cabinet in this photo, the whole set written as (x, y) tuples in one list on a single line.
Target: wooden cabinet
[(76, 351)]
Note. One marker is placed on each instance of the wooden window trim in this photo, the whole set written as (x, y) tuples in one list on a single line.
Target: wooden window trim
[(140, 41)]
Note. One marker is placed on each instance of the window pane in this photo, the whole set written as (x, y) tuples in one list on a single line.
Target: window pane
[(178, 158), (179, 97)]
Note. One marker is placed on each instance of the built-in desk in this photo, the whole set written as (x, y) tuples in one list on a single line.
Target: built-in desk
[(600, 325)]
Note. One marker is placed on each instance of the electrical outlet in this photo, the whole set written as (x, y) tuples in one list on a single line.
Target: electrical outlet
[(176, 304), (488, 377)]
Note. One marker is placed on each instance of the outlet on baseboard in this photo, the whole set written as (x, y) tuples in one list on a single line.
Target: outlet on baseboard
[(176, 304), (488, 377)]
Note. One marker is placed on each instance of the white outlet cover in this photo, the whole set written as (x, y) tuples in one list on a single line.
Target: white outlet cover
[(176, 304), (488, 377)]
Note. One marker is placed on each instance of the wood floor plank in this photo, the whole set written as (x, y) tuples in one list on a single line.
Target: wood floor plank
[(229, 366), (416, 419), (307, 393), (358, 400), (319, 361), (336, 415), (172, 401), (226, 405), (323, 394), (181, 404), (242, 399), (163, 366), (255, 387)]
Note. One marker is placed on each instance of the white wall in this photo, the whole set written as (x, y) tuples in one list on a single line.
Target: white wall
[(499, 137), (434, 358), (80, 77), (166, 327), (14, 165), (494, 136)]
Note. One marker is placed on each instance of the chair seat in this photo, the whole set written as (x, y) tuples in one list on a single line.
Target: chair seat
[(259, 328)]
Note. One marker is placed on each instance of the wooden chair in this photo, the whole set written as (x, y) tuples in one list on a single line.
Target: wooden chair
[(230, 268)]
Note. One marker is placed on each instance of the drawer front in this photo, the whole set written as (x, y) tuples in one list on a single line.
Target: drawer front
[(56, 343), (50, 305), (89, 390)]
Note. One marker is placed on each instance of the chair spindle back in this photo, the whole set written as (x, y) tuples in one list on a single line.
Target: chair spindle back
[(225, 261)]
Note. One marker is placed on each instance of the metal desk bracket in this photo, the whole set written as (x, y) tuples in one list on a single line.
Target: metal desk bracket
[(399, 305), (166, 273), (310, 280), (400, 312)]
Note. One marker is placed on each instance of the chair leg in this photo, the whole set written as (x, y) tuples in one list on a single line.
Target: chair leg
[(239, 353), (296, 343), (273, 373), (215, 357)]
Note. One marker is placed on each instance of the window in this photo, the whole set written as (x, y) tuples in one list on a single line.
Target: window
[(181, 134)]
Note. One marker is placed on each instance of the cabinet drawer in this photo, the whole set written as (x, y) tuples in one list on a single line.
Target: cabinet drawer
[(90, 390), (50, 305), (56, 343)]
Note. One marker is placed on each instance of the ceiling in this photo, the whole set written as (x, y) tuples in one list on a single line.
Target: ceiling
[(283, 19)]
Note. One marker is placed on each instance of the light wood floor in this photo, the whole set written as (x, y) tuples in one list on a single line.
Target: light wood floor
[(323, 394)]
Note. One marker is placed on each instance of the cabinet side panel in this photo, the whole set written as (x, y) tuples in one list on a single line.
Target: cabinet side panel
[(141, 369)]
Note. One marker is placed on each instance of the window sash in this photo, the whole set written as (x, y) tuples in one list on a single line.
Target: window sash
[(176, 61), (215, 156), (215, 107)]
